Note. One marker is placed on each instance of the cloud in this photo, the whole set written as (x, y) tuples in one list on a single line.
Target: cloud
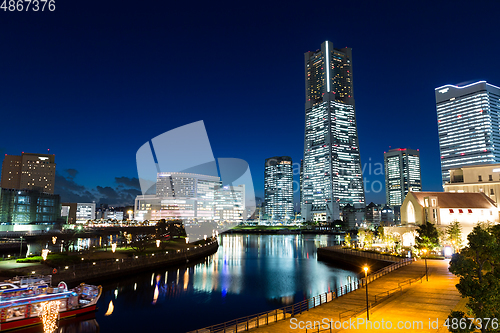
[(71, 172), (129, 182), (123, 194), (117, 197), (70, 191)]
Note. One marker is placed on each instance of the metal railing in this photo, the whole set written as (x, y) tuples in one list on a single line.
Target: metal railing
[(371, 255), (381, 297), (264, 318)]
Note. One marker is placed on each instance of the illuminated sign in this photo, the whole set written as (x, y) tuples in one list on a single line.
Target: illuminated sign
[(42, 158), (443, 91), (496, 170)]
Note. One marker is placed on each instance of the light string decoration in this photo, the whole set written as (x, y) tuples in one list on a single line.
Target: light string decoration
[(49, 313)]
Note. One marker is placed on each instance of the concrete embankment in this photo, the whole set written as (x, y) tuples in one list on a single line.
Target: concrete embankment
[(104, 270), (356, 259)]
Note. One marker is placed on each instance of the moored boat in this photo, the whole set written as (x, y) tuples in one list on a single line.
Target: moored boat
[(22, 299)]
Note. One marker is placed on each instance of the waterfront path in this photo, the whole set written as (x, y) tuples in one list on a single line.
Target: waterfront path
[(417, 303)]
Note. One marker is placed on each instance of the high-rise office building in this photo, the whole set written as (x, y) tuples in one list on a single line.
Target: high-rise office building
[(278, 188), (332, 167), (29, 171), (402, 174), (468, 125)]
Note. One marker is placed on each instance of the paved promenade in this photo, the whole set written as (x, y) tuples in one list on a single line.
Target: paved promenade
[(415, 306)]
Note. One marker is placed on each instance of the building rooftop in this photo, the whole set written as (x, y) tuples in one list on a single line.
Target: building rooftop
[(457, 200)]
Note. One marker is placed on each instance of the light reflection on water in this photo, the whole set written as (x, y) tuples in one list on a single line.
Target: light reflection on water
[(249, 274)]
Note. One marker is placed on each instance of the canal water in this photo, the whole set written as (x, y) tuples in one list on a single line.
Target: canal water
[(249, 274)]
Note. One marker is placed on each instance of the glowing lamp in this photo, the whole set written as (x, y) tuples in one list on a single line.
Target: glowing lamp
[(45, 252), (113, 247), (158, 243)]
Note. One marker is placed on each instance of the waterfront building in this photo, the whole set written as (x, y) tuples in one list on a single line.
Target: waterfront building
[(353, 216), (190, 197), (402, 174), (229, 203), (476, 178), (468, 125), (29, 171), (278, 188), (332, 167), (387, 216), (372, 214), (25, 207), (443, 208), (68, 212), (85, 211)]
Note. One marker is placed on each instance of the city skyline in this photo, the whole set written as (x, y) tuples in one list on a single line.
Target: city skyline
[(100, 89)]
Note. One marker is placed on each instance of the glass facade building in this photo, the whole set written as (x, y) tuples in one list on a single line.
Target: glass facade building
[(192, 197), (332, 175), (402, 174), (28, 206), (468, 125), (278, 188)]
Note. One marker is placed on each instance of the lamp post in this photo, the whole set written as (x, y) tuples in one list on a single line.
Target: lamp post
[(425, 259), (366, 287)]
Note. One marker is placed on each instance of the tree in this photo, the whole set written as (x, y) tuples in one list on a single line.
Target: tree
[(347, 240), (428, 236), (454, 235), (140, 244), (369, 237), (478, 267), (361, 237), (381, 234)]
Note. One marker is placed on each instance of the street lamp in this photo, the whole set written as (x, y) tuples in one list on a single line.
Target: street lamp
[(366, 286), (425, 258)]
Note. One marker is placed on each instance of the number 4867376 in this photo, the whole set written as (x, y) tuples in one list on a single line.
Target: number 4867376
[(27, 5)]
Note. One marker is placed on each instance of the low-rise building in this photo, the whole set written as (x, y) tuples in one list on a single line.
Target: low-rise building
[(443, 208)]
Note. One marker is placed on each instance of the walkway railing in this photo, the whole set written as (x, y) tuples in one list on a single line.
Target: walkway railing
[(378, 299), (372, 255), (264, 318)]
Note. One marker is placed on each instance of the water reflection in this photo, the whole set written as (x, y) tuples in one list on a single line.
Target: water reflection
[(248, 274)]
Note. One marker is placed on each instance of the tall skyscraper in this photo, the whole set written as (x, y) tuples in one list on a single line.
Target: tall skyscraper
[(332, 167), (278, 188), (402, 174), (468, 125), (29, 171)]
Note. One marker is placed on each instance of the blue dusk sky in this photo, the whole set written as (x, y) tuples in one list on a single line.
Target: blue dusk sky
[(94, 80)]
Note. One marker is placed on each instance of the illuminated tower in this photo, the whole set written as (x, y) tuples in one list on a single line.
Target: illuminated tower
[(402, 174), (468, 125), (332, 167), (278, 188)]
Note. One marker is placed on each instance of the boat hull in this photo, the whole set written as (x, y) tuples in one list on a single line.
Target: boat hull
[(26, 322)]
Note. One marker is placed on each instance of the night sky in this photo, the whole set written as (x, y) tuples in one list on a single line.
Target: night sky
[(94, 80)]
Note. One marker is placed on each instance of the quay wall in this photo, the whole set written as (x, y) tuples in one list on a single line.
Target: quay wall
[(108, 269), (356, 259)]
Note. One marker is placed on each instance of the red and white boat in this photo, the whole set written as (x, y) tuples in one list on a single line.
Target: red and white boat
[(21, 300)]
